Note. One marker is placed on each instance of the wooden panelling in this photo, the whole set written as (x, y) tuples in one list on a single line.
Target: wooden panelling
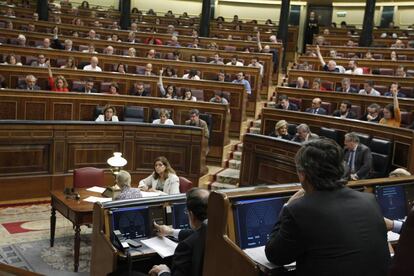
[(403, 139), (8, 110), (267, 160), (49, 151)]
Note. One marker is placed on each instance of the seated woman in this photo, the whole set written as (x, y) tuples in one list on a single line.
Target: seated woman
[(70, 64), (281, 130), (164, 118), (109, 115), (113, 89), (188, 95), (59, 84), (169, 92), (11, 60), (163, 180), (392, 113), (123, 180)]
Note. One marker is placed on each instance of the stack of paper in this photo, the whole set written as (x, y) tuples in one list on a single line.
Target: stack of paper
[(94, 199), (96, 189), (258, 255), (149, 194), (163, 246)]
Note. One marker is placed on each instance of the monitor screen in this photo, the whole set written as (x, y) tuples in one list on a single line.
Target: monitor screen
[(132, 222), (179, 216), (254, 220), (393, 200)]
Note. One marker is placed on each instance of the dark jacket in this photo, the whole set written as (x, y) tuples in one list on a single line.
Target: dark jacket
[(365, 118), (189, 255), (291, 106), (202, 124), (82, 90), (350, 115), (351, 90), (340, 232), (133, 91), (402, 264), (24, 87), (285, 137), (363, 161), (320, 110)]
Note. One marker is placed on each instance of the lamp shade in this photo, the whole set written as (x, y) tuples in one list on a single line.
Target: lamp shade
[(117, 160)]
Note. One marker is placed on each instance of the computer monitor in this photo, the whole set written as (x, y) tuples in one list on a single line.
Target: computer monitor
[(132, 222), (254, 220), (395, 200), (179, 216)]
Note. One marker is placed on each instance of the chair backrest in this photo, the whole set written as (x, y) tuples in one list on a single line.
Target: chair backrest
[(104, 88), (328, 85), (78, 85), (327, 106), (185, 184), (292, 129), (406, 118), (88, 177), (381, 88), (357, 110), (330, 133), (408, 91), (134, 114), (364, 139), (98, 111), (230, 48), (381, 146), (386, 71), (296, 101)]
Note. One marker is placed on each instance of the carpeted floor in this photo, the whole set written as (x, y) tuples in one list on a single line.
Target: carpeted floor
[(24, 241)]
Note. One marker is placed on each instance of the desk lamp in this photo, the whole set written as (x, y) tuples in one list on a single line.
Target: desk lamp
[(116, 163)]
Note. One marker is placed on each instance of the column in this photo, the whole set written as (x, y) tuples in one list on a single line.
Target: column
[(125, 9), (365, 38), (282, 33), (206, 15), (42, 10)]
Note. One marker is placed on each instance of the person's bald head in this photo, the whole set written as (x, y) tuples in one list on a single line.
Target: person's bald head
[(316, 102), (94, 61), (197, 201)]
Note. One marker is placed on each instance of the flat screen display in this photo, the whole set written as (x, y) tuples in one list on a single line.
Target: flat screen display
[(179, 216), (396, 200), (132, 222), (255, 218)]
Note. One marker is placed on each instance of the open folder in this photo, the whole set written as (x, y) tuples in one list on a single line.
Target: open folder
[(163, 246)]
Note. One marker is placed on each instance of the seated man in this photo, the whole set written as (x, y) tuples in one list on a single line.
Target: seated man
[(189, 255), (316, 107), (400, 72), (40, 62), (219, 98), (330, 66), (353, 68), (369, 89), (216, 60), (357, 156), (303, 134), (285, 104), (346, 86), (328, 228), (240, 79), (45, 44), (373, 114), (235, 61), (344, 110), (300, 83), (196, 121), (255, 63), (29, 84), (87, 88), (138, 89), (93, 66), (395, 89)]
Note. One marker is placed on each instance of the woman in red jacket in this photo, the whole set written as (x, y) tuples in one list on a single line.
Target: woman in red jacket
[(59, 84)]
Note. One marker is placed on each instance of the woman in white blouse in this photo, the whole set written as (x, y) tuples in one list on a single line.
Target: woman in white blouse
[(109, 114), (162, 180), (164, 118)]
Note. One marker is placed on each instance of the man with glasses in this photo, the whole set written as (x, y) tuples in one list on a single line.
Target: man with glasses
[(316, 107)]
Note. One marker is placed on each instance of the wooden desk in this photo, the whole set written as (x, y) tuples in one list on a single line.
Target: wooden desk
[(79, 212)]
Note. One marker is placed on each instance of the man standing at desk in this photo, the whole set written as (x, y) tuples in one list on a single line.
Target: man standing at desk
[(189, 254), (328, 228)]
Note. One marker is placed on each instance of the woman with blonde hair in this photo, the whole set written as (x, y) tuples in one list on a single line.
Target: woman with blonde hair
[(163, 180), (123, 180), (281, 130)]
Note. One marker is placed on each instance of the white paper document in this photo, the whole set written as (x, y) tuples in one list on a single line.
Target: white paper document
[(96, 189), (163, 246), (258, 255), (392, 237), (149, 194), (94, 199)]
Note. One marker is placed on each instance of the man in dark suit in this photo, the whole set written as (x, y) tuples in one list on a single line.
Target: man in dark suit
[(138, 89), (358, 157), (328, 228), (29, 83), (316, 107), (346, 86), (345, 111), (285, 104), (373, 114), (87, 88), (189, 255)]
